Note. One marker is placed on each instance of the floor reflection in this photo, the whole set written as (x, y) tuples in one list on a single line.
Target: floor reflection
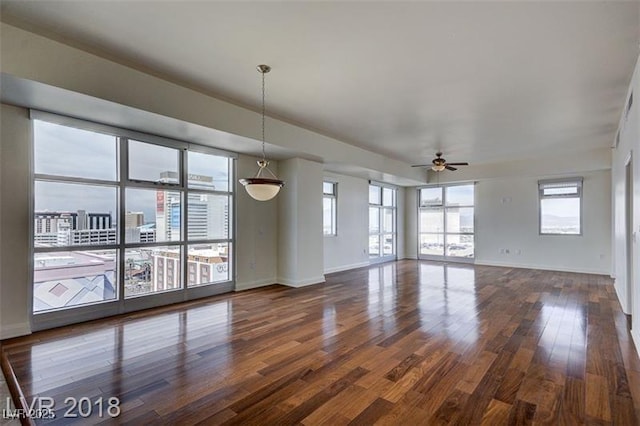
[(401, 330), (382, 295), (447, 300)]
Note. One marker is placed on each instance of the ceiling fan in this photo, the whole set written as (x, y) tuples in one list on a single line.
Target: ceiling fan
[(439, 164)]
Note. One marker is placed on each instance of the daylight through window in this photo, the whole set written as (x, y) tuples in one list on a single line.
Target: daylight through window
[(116, 218), (329, 208), (446, 222), (382, 223), (560, 206)]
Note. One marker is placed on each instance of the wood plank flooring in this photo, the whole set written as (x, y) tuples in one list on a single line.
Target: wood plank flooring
[(409, 342)]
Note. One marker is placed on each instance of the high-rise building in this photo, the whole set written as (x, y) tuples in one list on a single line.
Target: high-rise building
[(135, 229), (208, 213), (168, 204), (208, 216), (73, 228), (141, 234), (133, 219)]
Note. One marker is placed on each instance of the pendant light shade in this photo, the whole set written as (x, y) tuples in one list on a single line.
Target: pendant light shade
[(258, 187), (262, 189)]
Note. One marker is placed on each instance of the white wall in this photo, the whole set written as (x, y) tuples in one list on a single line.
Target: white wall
[(513, 224), (507, 218), (411, 223), (256, 232), (349, 249), (629, 145), (300, 242), (401, 236), (15, 136)]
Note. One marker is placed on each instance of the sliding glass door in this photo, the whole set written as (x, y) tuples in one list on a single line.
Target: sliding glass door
[(446, 223), (382, 223)]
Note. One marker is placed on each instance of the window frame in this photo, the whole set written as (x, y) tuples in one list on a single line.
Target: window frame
[(579, 182), (381, 208), (333, 196), (122, 304), (444, 205)]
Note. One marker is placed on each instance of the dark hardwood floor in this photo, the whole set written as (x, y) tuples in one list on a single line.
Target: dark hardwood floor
[(401, 343)]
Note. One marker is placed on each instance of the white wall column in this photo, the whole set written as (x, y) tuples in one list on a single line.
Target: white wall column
[(300, 241), (15, 140)]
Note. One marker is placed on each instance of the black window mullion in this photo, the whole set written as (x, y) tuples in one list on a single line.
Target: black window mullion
[(123, 168), (184, 177), (120, 184)]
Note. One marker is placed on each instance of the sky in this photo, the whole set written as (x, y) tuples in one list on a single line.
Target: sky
[(67, 151)]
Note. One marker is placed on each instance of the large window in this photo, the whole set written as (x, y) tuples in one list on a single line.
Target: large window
[(382, 223), (117, 218), (329, 208), (560, 206), (446, 222)]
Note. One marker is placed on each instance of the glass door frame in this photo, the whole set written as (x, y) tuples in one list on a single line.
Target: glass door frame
[(444, 234), (381, 257)]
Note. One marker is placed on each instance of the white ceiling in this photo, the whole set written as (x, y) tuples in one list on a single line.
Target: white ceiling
[(483, 82)]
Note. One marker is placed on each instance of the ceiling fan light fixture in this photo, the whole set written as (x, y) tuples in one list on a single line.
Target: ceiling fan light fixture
[(258, 187), (439, 164)]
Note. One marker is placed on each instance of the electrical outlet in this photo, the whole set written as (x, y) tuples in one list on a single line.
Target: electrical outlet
[(501, 251), (506, 251), (252, 265), (518, 252)]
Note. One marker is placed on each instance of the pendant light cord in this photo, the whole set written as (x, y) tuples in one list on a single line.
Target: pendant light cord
[(263, 115)]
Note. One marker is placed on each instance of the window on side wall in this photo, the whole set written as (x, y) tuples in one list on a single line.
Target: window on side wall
[(329, 208), (560, 205)]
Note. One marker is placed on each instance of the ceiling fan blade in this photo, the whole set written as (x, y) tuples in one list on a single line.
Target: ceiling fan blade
[(421, 165), (448, 167), (458, 164)]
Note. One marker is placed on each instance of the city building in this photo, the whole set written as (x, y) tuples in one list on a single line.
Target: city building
[(203, 266), (141, 234), (133, 219), (208, 213), (73, 228)]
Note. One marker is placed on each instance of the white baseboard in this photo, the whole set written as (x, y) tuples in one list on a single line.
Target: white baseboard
[(541, 267), (346, 267), (15, 330), (301, 283), (255, 284)]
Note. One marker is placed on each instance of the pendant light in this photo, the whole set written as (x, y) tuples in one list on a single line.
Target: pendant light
[(260, 187)]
